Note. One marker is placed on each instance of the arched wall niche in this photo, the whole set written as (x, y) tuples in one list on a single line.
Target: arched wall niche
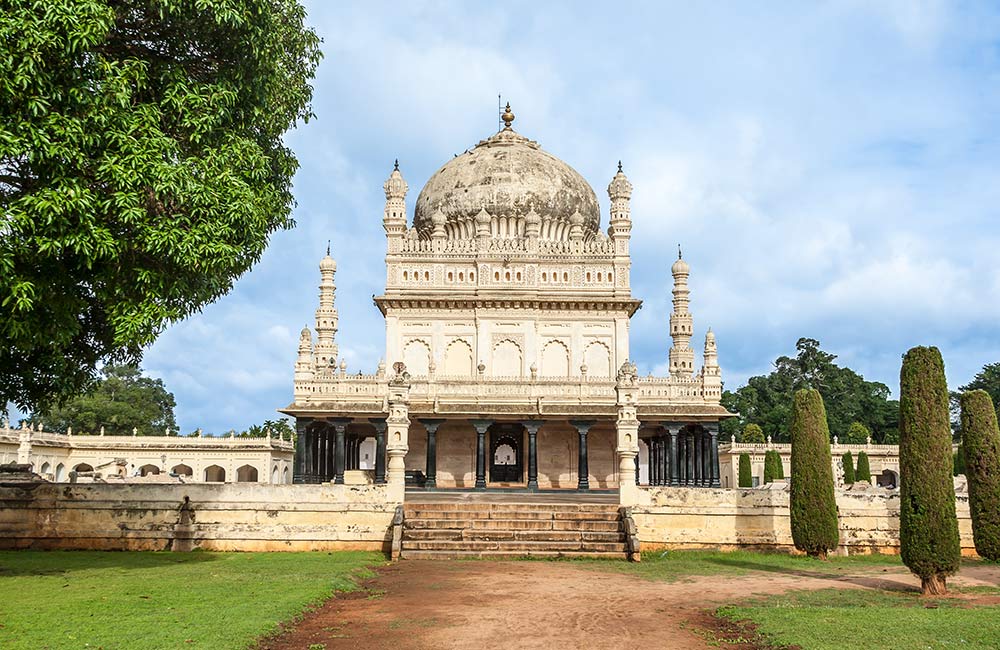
[(555, 359), (417, 357), (458, 360), (598, 359), (507, 359)]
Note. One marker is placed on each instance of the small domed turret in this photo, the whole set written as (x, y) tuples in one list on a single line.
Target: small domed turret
[(680, 266)]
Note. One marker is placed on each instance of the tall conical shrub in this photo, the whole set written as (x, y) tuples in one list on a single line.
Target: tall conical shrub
[(863, 472), (981, 448), (848, 461), (746, 475), (813, 505), (958, 462), (928, 529), (779, 468), (770, 471)]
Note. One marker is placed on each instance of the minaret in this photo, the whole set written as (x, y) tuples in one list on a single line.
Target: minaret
[(304, 364), (711, 374), (681, 324), (394, 219), (620, 226), (326, 315)]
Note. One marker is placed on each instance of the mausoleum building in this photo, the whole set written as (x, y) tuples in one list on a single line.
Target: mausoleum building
[(507, 362)]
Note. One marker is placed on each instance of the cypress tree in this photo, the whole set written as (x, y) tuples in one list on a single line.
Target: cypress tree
[(849, 477), (863, 471), (745, 478), (928, 528), (813, 504), (772, 466), (981, 449)]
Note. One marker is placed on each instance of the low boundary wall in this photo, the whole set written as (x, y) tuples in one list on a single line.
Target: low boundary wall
[(692, 518), (223, 517)]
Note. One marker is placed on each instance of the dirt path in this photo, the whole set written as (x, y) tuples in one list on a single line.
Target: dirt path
[(473, 604)]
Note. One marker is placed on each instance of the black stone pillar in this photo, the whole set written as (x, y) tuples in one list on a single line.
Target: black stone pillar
[(682, 439), (689, 443), (713, 432), (583, 466), (379, 425), (301, 441), (317, 434), (432, 427), (706, 459), (651, 460), (637, 470), (696, 434), (532, 427), (662, 461), (673, 464), (481, 426), (340, 425)]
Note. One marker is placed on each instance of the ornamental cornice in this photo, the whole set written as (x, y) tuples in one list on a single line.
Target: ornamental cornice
[(627, 305)]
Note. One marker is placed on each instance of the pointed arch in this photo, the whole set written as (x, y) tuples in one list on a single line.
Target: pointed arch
[(555, 359)]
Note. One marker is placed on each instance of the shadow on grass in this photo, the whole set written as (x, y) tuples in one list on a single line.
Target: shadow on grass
[(871, 582), (42, 563)]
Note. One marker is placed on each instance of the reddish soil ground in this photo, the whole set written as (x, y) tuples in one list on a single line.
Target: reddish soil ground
[(479, 604)]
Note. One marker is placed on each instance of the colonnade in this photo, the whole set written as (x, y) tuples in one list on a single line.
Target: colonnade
[(684, 456), (325, 449)]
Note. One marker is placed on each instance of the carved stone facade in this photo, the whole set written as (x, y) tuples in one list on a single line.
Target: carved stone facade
[(506, 304)]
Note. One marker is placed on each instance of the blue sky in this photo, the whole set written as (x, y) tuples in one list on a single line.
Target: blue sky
[(830, 169)]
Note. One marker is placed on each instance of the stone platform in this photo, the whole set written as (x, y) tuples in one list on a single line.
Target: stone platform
[(555, 497)]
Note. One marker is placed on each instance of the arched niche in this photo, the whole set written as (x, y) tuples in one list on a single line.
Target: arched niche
[(598, 359), (417, 357), (555, 359), (507, 359), (458, 360)]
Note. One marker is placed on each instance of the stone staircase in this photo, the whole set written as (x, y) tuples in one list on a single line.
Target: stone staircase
[(499, 530)]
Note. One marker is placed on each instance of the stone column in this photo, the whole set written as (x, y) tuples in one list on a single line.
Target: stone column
[(379, 425), (339, 451), (583, 467), (689, 439), (627, 434), (432, 427), (532, 427), (653, 444), (696, 439), (481, 426), (323, 466), (674, 465), (706, 456), (713, 432), (398, 431), (299, 461)]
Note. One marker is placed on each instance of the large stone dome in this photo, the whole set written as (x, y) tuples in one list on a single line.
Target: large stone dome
[(508, 175)]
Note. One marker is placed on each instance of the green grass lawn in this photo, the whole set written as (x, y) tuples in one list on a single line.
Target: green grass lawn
[(679, 565), (147, 601), (834, 619)]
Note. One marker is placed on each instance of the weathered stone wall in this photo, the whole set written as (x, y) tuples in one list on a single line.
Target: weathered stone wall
[(224, 517), (678, 518)]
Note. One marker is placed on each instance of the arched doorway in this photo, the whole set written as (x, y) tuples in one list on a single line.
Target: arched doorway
[(215, 474), (83, 467), (60, 472), (182, 470), (506, 454), (146, 470), (246, 474), (887, 479)]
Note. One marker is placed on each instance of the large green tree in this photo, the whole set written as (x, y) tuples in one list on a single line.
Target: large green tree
[(121, 400), (928, 527), (812, 502), (142, 170), (987, 379), (766, 400), (981, 444)]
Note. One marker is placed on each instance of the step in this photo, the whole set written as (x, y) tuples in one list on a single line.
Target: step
[(481, 515), (500, 507), (504, 555), (522, 535), (512, 524), (525, 547)]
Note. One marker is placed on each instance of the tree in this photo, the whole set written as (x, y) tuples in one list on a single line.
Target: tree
[(122, 400), (142, 171), (768, 467), (766, 400), (857, 434), (746, 474), (752, 433), (812, 502), (863, 472), (849, 476), (928, 528), (958, 462), (279, 428), (981, 446)]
